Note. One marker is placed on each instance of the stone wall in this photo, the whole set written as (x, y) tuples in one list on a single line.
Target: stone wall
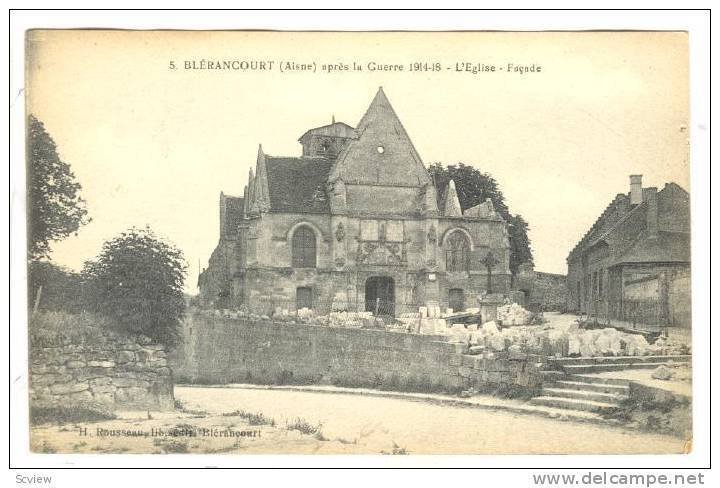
[(98, 369), (550, 291), (221, 350)]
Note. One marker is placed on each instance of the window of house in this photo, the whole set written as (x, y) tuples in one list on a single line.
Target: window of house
[(325, 145), (457, 253), (303, 248), (303, 297), (600, 282)]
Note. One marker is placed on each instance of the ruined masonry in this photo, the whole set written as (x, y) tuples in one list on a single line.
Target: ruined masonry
[(355, 223)]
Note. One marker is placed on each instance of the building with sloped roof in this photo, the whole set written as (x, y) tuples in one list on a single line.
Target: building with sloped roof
[(633, 264), (354, 223)]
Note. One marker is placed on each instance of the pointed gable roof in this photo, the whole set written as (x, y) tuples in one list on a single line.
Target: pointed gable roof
[(451, 204), (260, 199), (381, 152)]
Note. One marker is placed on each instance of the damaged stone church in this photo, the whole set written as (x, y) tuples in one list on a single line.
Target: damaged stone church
[(354, 223)]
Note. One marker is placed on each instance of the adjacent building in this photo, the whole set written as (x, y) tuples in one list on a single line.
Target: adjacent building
[(634, 262), (354, 223)]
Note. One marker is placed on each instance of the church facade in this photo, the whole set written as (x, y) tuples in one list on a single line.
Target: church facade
[(355, 223)]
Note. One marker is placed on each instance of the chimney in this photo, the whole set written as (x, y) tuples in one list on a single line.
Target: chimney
[(635, 189), (651, 226)]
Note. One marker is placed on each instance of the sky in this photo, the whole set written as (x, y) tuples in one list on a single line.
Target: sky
[(152, 145)]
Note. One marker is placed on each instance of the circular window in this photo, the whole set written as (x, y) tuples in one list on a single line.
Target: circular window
[(380, 149)]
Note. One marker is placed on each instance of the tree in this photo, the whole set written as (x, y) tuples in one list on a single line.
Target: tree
[(55, 208), (61, 287), (137, 283), (473, 188), (520, 250), (472, 185)]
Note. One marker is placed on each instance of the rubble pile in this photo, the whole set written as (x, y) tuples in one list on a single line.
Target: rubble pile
[(564, 341), (662, 373), (559, 340), (513, 314)]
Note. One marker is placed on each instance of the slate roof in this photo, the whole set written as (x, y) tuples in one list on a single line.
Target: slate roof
[(667, 247), (612, 211), (297, 185), (233, 212)]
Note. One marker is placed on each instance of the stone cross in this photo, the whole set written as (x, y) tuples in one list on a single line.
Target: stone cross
[(489, 261)]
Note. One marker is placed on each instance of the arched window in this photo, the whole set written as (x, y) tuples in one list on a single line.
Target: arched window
[(457, 252), (303, 248)]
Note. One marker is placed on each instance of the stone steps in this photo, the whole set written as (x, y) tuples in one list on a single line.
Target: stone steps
[(601, 368), (572, 403), (581, 394), (619, 359), (598, 380), (617, 389)]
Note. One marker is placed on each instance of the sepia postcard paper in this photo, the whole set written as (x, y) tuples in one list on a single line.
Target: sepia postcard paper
[(257, 242)]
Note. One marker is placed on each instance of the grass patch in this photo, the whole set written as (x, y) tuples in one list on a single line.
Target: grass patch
[(305, 427), (47, 448), (396, 450), (65, 415), (252, 418), (171, 446), (180, 407), (672, 417)]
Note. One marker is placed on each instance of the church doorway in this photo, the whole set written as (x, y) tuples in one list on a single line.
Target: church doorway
[(380, 295)]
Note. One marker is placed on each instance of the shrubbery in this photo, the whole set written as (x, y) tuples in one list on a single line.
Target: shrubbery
[(137, 283), (134, 286)]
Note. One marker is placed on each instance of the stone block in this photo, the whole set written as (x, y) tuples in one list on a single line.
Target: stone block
[(455, 360), (80, 397), (501, 365), (129, 382), (494, 377), (67, 388), (125, 356), (131, 396), (74, 364), (40, 369), (517, 355), (104, 398), (101, 364), (468, 361)]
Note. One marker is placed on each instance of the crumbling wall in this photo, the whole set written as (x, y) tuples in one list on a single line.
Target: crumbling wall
[(97, 369)]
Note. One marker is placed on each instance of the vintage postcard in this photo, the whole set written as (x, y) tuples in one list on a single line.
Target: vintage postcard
[(248, 242)]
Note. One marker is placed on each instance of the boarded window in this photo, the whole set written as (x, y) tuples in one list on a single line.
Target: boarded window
[(394, 232), (303, 248), (369, 230), (456, 299), (303, 298), (458, 252)]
